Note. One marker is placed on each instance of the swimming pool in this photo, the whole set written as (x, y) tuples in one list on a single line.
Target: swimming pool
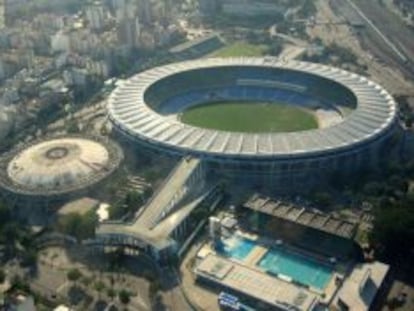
[(302, 269), (236, 247)]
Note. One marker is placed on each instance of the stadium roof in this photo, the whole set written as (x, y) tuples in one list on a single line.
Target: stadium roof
[(375, 113)]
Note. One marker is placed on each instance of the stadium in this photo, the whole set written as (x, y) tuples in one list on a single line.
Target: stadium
[(290, 122)]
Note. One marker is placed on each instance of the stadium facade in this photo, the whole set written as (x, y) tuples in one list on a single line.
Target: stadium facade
[(146, 108)]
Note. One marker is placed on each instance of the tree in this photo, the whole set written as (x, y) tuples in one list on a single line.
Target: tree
[(409, 168), (154, 289), (398, 183), (4, 214), (115, 258), (373, 188), (72, 127), (2, 276), (308, 9), (409, 121), (86, 281), (124, 296), (99, 287), (133, 199), (74, 275), (29, 257), (275, 48), (323, 198), (19, 284), (111, 293), (78, 226), (9, 235), (393, 231), (158, 303), (117, 210)]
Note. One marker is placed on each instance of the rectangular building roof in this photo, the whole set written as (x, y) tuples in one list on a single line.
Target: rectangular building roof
[(302, 216), (256, 284), (362, 285)]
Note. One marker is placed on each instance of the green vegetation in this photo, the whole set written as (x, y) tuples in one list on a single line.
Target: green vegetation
[(115, 259), (390, 192), (241, 49), (322, 198), (99, 286), (131, 203), (124, 296), (73, 275), (79, 226), (394, 230), (16, 238), (72, 127), (406, 113), (307, 9), (111, 293), (2, 276), (154, 294), (249, 117), (335, 55)]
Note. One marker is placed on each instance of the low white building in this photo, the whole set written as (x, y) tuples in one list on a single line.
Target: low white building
[(361, 287), (60, 42)]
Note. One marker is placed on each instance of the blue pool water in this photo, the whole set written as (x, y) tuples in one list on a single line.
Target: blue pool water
[(298, 267), (237, 248)]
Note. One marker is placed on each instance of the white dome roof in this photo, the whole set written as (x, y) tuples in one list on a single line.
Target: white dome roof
[(58, 164)]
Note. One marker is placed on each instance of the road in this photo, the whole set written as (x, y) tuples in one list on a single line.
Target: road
[(386, 36), (173, 296)]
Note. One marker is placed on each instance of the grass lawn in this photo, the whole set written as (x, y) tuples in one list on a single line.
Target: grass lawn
[(240, 49), (253, 117)]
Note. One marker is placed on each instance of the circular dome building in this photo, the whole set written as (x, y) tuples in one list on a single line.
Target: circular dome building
[(58, 167)]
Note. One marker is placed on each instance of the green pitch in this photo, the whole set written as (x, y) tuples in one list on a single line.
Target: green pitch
[(253, 117)]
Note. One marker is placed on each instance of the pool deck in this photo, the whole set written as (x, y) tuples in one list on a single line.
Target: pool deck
[(254, 283), (251, 261), (255, 255), (330, 289)]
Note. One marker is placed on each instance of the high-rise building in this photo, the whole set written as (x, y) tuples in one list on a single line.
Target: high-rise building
[(145, 11), (11, 8), (117, 4), (129, 32), (95, 15), (2, 15)]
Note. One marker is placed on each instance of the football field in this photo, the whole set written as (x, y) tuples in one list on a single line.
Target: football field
[(250, 117)]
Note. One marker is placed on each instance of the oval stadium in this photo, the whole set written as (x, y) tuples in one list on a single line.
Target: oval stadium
[(289, 120)]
